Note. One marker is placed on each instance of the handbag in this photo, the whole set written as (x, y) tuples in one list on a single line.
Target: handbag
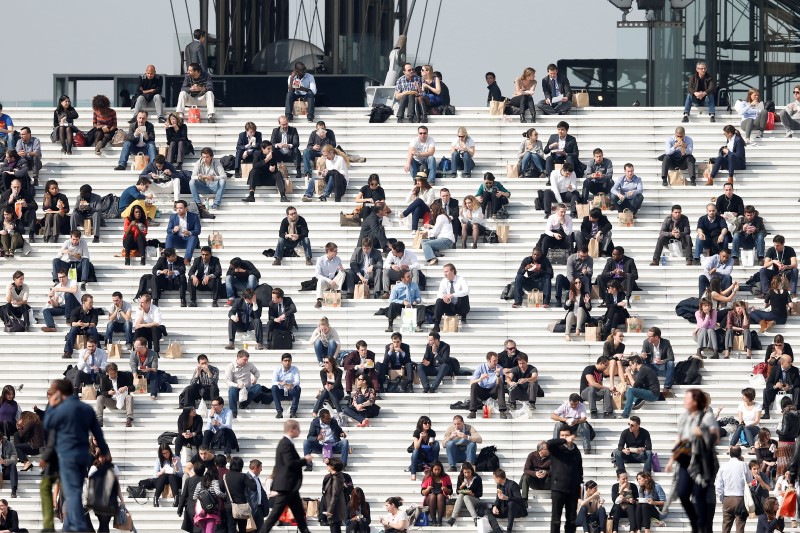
[(655, 463), (119, 138), (79, 140), (770, 125), (136, 492), (123, 520), (497, 107), (349, 220), (240, 511)]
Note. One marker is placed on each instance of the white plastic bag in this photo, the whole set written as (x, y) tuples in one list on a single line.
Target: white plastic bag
[(748, 258), (483, 525), (757, 381), (675, 248), (120, 397)]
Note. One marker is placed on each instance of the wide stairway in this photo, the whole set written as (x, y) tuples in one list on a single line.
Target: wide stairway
[(379, 454)]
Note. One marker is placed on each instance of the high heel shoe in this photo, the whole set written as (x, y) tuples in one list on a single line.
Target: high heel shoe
[(144, 260)]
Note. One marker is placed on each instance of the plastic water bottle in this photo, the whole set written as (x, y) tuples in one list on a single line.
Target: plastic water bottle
[(663, 260)]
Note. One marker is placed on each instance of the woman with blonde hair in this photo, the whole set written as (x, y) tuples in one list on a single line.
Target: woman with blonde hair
[(325, 340), (461, 153), (431, 92), (472, 221), (335, 172), (524, 87)]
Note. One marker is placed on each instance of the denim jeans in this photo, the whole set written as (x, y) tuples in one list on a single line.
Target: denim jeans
[(417, 210), (128, 148), (744, 241), (634, 394), (216, 187), (464, 160), (429, 246), (703, 283), (692, 100), (73, 331), (308, 159), (82, 266), (666, 369), (234, 284), (531, 160), (645, 457), (542, 283), (322, 352), (291, 97), (333, 396), (765, 275), (72, 471), (425, 373), (313, 446), (435, 448), (70, 303), (748, 433), (431, 162), (459, 454), (179, 241), (126, 326), (279, 393), (233, 397), (283, 244)]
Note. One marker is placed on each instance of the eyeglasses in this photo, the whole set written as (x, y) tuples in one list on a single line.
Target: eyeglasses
[(462, 136), (796, 92), (422, 132)]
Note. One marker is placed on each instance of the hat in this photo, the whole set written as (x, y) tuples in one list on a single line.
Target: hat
[(422, 175)]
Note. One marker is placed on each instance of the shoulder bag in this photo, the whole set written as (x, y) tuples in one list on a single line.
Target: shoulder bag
[(240, 511)]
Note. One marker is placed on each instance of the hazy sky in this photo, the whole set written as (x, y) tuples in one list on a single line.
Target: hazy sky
[(473, 36)]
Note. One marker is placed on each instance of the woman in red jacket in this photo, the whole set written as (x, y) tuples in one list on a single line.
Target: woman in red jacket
[(436, 488)]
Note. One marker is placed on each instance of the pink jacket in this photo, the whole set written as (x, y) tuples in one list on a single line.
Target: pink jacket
[(709, 322)]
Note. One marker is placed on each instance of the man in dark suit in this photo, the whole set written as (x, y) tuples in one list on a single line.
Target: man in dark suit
[(113, 384), (245, 315), (204, 275), (287, 480), (595, 226), (366, 265), (317, 439), (86, 207), (247, 146), (657, 354), (562, 148), (258, 500), (508, 503), (195, 51), (397, 358), (435, 362), (183, 230), (360, 361), (169, 274), (293, 231), (141, 138), (286, 143), (621, 268), (241, 274), (372, 228), (783, 377), (265, 173), (449, 207), (281, 313), (557, 93)]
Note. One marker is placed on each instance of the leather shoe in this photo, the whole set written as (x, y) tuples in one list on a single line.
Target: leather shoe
[(229, 346), (193, 304)]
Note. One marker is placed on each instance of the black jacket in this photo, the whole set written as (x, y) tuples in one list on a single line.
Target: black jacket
[(570, 146), (545, 270), (792, 376), (302, 228), (316, 427), (289, 310), (735, 205), (563, 87), (235, 484), (442, 356), (186, 502), (161, 264), (288, 471), (313, 139), (628, 266), (667, 354), (214, 267), (70, 114), (511, 490), (124, 379), (181, 135), (603, 226), (239, 308), (389, 359), (494, 93), (372, 227), (250, 270), (150, 135), (694, 80), (566, 467), (241, 142), (357, 260), (146, 84), (292, 137)]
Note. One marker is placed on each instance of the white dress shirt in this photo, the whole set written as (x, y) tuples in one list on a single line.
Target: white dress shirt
[(559, 183), (731, 478), (553, 224), (152, 317), (460, 286), (409, 260)]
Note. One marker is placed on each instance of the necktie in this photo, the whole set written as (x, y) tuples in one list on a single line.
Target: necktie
[(91, 366), (247, 314), (452, 291), (783, 373), (397, 358), (169, 269), (258, 489)]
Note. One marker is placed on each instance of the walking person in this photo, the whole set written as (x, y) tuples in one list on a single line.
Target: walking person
[(566, 471)]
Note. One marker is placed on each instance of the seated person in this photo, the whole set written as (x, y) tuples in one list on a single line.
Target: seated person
[(397, 365), (245, 315), (369, 196), (286, 143), (535, 272), (578, 306), (395, 520), (203, 385), (247, 145), (778, 300), (621, 268), (190, 429), (197, 90), (87, 207), (29, 438), (55, 207), (204, 457), (643, 385), (178, 142), (144, 364), (678, 154), (61, 300), (472, 221), (487, 381), (749, 234), (424, 448), (167, 470), (616, 307), (302, 86), (325, 341), (461, 153), (366, 266), (782, 377), (438, 235), (141, 138), (791, 113), (657, 353), (362, 404), (281, 313), (523, 383), (461, 442), (169, 273), (115, 391), (29, 148), (592, 387), (562, 148), (241, 375), (572, 413), (701, 90), (712, 234), (162, 172), (82, 321), (92, 363), (204, 275), (590, 507), (134, 231), (286, 384), (332, 392), (208, 177), (408, 94), (627, 191), (137, 195), (326, 437), (14, 167), (737, 324), (531, 155), (492, 195), (731, 156), (218, 429), (293, 231), (74, 253), (779, 259), (147, 323), (557, 96), (330, 273), (372, 228), (419, 200), (432, 94), (557, 231), (634, 446), (242, 274), (9, 469), (360, 361), (599, 176), (719, 265), (17, 293), (183, 230), (625, 496), (536, 472), (495, 94), (675, 227), (452, 298), (405, 295), (563, 190), (397, 261), (595, 226), (265, 173), (318, 139), (509, 502), (435, 362), (23, 205), (748, 416)]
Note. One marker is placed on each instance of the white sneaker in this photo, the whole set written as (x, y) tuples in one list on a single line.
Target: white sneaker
[(789, 134)]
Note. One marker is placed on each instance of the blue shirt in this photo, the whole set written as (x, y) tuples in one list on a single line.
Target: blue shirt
[(130, 195), (493, 378), (72, 421), (225, 418), (405, 293), (5, 122)]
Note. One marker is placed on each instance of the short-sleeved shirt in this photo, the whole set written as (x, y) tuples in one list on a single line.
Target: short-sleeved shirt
[(749, 415), (420, 147), (126, 308), (431, 435), (517, 374), (377, 194), (591, 369), (5, 123), (784, 257), (468, 142), (79, 315)]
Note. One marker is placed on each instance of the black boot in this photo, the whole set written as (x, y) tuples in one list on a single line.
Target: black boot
[(155, 501), (175, 501)]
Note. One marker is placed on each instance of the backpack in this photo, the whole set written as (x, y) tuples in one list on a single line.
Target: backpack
[(687, 308), (688, 372), (168, 437), (228, 162), (208, 502), (264, 293), (445, 165), (102, 491), (755, 342), (145, 286), (281, 340), (487, 460), (109, 206), (380, 113), (508, 292), (490, 237)]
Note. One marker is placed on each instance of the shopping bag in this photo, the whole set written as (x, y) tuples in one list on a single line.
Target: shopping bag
[(483, 525), (300, 108), (283, 170), (738, 342), (618, 398), (582, 210), (73, 273), (88, 230), (361, 291), (602, 201), (332, 299), (193, 115), (748, 258), (319, 186), (312, 507), (502, 231), (119, 138), (450, 324), (288, 184), (592, 333), (167, 492), (594, 248), (417, 241), (757, 381), (675, 248), (80, 342), (114, 351), (287, 517), (626, 218), (140, 161), (676, 177), (215, 240), (88, 392), (174, 350), (251, 525), (789, 505), (245, 168), (163, 149), (408, 320), (535, 298), (497, 107), (396, 374), (327, 450), (594, 292), (634, 324), (580, 98), (141, 385), (770, 125), (123, 520), (512, 170)]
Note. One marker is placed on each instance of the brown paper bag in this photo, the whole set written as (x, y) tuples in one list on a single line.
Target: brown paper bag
[(594, 248), (634, 324), (676, 178), (283, 170), (626, 218), (502, 232), (580, 99), (114, 351), (361, 291), (450, 324), (795, 307), (418, 240), (312, 508), (332, 299), (215, 240), (174, 351), (245, 169), (88, 230), (602, 201), (595, 292), (582, 210), (300, 108), (512, 170), (140, 161), (497, 107), (738, 342), (288, 185), (251, 525), (592, 333), (417, 381), (319, 186), (535, 298), (394, 374), (141, 384), (619, 399), (88, 392), (80, 342), (167, 492), (163, 149)]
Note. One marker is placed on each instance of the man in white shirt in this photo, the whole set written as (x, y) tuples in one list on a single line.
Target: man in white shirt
[(329, 272), (563, 189), (396, 261), (421, 152), (733, 478), (61, 300), (147, 322), (92, 362), (241, 374), (557, 231), (208, 177), (74, 253), (573, 413), (452, 297), (285, 385), (115, 393), (301, 86), (218, 428)]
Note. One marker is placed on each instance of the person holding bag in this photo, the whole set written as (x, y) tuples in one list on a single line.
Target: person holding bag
[(236, 485)]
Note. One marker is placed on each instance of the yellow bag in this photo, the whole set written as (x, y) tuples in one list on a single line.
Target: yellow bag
[(502, 231), (245, 169), (497, 107), (332, 299), (114, 351), (140, 161), (300, 108), (535, 298), (592, 333), (594, 248), (634, 324), (88, 230), (361, 291), (215, 240), (450, 324), (580, 98), (88, 392), (676, 178), (174, 350), (626, 218), (512, 170)]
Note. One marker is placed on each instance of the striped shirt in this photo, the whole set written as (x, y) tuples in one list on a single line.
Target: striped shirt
[(109, 120)]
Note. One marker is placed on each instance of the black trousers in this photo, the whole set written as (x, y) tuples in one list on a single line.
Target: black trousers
[(196, 392), (461, 308), (568, 503), (130, 243), (617, 513), (526, 392), (595, 186), (279, 503), (255, 325), (510, 511), (212, 287), (627, 284), (153, 336), (262, 177), (395, 310), (568, 198), (161, 283), (174, 484), (414, 106)]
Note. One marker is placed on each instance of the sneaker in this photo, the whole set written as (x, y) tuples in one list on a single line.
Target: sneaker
[(129, 423), (789, 134), (259, 346), (309, 262), (306, 198), (473, 415), (638, 405), (212, 119), (685, 118), (276, 262), (162, 119)]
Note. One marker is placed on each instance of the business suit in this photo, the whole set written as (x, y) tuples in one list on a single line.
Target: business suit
[(514, 507), (175, 240), (438, 365), (372, 227), (242, 145), (629, 276), (104, 400), (548, 88), (351, 361), (734, 160), (357, 262), (293, 138), (258, 500), (776, 375), (285, 307), (173, 281), (213, 270), (398, 360), (248, 319), (287, 480), (81, 212), (571, 155), (265, 174)]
